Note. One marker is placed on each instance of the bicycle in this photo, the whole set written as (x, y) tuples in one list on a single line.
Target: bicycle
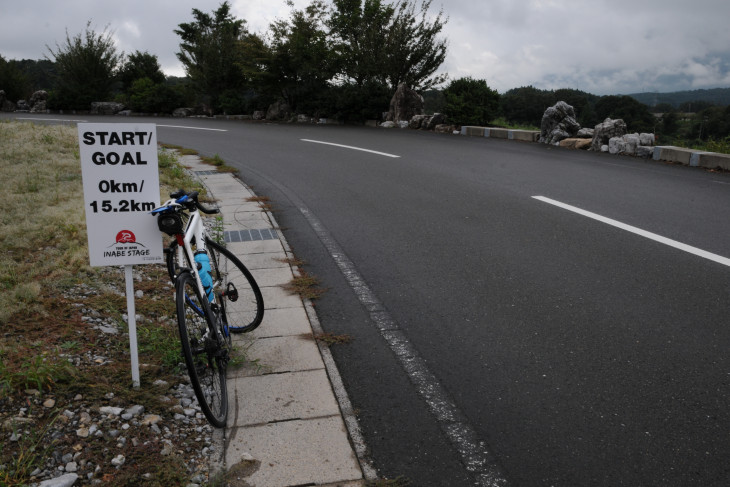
[(215, 294)]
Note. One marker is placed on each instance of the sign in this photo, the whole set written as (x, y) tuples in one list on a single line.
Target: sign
[(121, 187)]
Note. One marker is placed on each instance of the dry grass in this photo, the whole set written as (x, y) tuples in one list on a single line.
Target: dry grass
[(42, 225)]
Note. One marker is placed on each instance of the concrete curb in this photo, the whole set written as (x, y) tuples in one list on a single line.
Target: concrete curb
[(291, 421)]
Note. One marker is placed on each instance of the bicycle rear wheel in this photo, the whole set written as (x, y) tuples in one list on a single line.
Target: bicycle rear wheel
[(204, 350), (241, 302)]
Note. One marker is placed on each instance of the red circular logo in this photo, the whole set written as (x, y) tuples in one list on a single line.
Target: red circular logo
[(126, 236)]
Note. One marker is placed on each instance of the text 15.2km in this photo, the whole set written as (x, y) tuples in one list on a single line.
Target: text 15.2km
[(122, 206)]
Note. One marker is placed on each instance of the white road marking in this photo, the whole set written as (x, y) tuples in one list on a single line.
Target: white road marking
[(49, 119), (191, 128), (351, 147), (638, 231)]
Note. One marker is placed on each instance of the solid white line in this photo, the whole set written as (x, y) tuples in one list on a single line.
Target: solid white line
[(638, 231), (351, 147), (191, 128), (49, 119)]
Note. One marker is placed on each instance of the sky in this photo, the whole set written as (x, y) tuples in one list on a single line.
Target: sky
[(599, 46)]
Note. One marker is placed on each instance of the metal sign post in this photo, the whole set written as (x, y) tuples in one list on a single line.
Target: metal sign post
[(121, 186)]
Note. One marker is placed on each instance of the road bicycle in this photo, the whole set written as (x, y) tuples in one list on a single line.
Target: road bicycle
[(215, 295)]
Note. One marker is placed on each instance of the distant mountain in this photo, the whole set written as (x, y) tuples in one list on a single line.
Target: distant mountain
[(716, 96)]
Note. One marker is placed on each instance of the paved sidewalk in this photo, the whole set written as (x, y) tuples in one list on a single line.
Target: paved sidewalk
[(285, 424)]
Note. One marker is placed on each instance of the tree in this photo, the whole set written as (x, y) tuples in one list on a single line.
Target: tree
[(470, 101), (86, 69), (526, 105), (208, 51), (301, 61), (414, 50), (13, 81), (359, 35), (140, 65), (634, 113)]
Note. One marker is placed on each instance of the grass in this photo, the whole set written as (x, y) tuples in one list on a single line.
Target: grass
[(263, 201), (305, 285), (46, 280), (329, 339)]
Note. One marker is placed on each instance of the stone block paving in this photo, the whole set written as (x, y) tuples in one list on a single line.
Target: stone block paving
[(285, 425)]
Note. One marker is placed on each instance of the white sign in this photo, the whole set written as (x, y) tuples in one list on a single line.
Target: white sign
[(121, 187)]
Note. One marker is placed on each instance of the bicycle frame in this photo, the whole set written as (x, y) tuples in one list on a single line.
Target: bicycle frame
[(184, 249)]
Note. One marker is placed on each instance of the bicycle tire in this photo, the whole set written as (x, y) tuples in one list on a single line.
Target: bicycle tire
[(204, 350), (246, 312)]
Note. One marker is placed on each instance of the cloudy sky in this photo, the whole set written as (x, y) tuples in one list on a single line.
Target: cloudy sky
[(598, 46)]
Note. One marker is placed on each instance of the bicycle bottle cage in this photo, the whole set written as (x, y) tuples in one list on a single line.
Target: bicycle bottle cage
[(170, 222)]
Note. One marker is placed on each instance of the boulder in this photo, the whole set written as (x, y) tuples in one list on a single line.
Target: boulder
[(616, 145), (605, 131), (22, 106), (405, 104), (436, 119), (38, 102), (388, 125), (575, 143), (647, 139), (182, 112), (5, 104), (585, 133), (558, 123), (259, 115), (279, 111), (304, 119), (418, 122), (445, 129), (106, 108), (645, 151)]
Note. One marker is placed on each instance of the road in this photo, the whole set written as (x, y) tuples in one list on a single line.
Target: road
[(579, 338)]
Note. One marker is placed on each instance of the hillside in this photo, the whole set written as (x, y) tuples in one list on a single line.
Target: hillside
[(716, 96)]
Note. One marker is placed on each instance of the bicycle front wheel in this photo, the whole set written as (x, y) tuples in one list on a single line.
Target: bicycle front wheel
[(204, 350), (241, 302)]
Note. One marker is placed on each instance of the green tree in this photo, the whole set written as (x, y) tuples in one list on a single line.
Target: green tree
[(526, 105), (634, 113), (413, 46), (147, 96), (208, 51), (140, 65), (359, 39), (86, 69), (301, 62), (471, 101), (13, 81)]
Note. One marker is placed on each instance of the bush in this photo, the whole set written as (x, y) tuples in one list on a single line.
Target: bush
[(471, 102), (149, 97)]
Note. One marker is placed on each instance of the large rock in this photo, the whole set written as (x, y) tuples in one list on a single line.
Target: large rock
[(279, 111), (182, 112), (575, 143), (38, 102), (106, 108), (22, 106), (607, 130), (5, 104), (558, 123), (405, 104)]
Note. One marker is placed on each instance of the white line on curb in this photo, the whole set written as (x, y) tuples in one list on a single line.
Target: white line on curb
[(638, 231), (351, 147)]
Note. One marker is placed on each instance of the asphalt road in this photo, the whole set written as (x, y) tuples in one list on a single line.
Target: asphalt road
[(565, 350)]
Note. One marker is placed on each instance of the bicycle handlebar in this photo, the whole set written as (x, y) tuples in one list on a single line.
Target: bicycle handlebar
[(191, 199)]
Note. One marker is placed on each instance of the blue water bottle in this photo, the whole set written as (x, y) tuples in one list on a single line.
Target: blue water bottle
[(203, 264)]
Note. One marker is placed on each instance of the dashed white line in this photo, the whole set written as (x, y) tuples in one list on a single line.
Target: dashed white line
[(191, 128), (351, 147), (638, 231)]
